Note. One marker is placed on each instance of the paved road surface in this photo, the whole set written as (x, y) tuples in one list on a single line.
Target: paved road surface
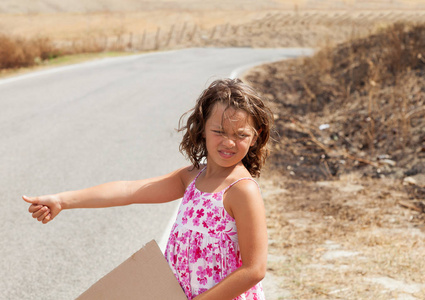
[(77, 126)]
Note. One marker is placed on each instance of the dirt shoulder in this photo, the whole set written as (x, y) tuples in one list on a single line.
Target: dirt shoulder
[(344, 239)]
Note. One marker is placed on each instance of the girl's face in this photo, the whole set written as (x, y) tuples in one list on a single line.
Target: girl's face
[(229, 134)]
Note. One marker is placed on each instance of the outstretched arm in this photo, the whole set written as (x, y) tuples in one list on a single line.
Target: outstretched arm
[(153, 190), (245, 204)]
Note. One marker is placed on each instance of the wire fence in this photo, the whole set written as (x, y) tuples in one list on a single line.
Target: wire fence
[(281, 29)]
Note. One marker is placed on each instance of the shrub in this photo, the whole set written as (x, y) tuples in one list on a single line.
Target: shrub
[(18, 52)]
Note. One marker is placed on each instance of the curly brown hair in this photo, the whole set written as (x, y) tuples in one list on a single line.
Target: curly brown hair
[(238, 95)]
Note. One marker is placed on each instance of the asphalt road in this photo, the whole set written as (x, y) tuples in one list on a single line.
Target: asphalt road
[(78, 126)]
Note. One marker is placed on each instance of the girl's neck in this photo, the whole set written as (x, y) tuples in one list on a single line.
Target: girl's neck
[(216, 178), (214, 171)]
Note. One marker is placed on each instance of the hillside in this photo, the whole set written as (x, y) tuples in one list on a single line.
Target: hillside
[(82, 6), (357, 106), (34, 32), (345, 188)]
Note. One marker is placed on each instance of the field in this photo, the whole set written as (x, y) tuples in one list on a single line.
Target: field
[(46, 32), (344, 187)]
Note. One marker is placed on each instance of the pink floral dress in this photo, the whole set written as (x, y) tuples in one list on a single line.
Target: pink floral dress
[(203, 245)]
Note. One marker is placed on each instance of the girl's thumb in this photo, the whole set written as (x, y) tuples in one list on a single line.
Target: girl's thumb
[(31, 200)]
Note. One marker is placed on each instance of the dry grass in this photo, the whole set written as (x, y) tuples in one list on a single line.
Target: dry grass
[(336, 226), (18, 53), (67, 33), (162, 29), (339, 239), (369, 91)]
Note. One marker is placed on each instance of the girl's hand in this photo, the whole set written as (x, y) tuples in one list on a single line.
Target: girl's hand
[(44, 208)]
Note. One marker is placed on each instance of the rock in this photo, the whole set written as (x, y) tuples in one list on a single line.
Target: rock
[(417, 167), (336, 254), (418, 179), (397, 285), (388, 162)]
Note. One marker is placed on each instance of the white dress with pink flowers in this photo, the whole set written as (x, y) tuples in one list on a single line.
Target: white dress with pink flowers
[(203, 245)]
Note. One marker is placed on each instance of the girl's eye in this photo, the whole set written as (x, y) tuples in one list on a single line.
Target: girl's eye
[(218, 132)]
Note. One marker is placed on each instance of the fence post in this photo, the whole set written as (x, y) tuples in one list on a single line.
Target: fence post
[(213, 32), (142, 46), (182, 32), (170, 35), (130, 41), (157, 38), (117, 42), (226, 27), (194, 32)]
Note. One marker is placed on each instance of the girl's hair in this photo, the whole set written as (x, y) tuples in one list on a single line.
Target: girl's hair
[(235, 94)]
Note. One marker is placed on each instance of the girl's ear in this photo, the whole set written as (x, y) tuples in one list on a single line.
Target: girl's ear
[(254, 140)]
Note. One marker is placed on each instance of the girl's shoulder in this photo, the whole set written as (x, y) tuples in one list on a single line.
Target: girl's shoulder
[(242, 182), (242, 194), (241, 173), (189, 173), (243, 186)]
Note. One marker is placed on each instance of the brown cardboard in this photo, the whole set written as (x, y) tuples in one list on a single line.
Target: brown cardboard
[(144, 275)]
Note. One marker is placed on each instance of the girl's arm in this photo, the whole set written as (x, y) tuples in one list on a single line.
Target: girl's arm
[(154, 190), (245, 204)]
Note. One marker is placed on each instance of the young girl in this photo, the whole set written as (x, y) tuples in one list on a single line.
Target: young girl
[(217, 248)]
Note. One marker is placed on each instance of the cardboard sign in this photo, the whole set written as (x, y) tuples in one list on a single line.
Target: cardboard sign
[(144, 275)]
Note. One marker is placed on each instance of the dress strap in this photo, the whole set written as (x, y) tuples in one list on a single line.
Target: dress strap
[(244, 178), (203, 169)]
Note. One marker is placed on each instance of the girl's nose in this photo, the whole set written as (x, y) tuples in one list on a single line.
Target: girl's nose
[(228, 141)]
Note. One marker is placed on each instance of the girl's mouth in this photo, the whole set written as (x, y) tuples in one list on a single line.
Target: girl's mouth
[(225, 154)]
